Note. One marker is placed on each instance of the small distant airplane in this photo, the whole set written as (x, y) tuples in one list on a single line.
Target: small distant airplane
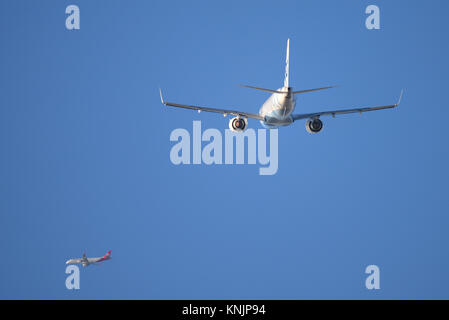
[(84, 261), (277, 109)]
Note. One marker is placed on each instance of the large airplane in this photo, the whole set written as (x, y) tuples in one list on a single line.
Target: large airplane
[(278, 109), (84, 261)]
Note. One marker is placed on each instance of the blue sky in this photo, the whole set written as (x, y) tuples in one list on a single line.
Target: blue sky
[(85, 164)]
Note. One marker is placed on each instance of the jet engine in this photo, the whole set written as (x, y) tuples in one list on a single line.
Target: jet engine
[(238, 124), (314, 125)]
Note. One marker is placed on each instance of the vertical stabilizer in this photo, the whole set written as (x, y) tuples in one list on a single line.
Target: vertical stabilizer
[(286, 84)]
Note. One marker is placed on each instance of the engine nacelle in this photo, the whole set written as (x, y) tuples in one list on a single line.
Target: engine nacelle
[(314, 125), (238, 124)]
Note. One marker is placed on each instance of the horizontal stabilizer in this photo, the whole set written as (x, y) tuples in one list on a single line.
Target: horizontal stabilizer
[(262, 89), (310, 90)]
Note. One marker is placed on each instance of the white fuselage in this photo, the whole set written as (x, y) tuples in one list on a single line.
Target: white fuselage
[(277, 109), (87, 261)]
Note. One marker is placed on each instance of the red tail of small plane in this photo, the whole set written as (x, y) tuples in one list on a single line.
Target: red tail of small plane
[(107, 256)]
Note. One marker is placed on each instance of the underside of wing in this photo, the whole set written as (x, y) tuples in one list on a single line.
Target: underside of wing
[(343, 111), (215, 110)]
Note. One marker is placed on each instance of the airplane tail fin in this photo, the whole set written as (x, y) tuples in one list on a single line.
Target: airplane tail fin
[(108, 255), (287, 58)]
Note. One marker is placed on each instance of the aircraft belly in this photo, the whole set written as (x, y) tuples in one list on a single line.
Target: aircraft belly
[(274, 108), (275, 113)]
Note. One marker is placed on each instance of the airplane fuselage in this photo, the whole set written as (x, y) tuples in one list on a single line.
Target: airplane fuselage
[(84, 261), (277, 109)]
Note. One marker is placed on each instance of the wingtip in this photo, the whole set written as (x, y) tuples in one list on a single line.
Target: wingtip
[(160, 93), (400, 97)]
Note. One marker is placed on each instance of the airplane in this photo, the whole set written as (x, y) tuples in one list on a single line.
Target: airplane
[(84, 261), (277, 111)]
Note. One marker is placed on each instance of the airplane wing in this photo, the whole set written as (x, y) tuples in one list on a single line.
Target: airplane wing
[(344, 111), (207, 109)]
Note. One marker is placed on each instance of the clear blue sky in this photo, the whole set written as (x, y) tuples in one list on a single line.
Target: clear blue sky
[(85, 165)]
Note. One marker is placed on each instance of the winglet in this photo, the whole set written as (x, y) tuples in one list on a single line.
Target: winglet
[(162, 99), (400, 97)]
